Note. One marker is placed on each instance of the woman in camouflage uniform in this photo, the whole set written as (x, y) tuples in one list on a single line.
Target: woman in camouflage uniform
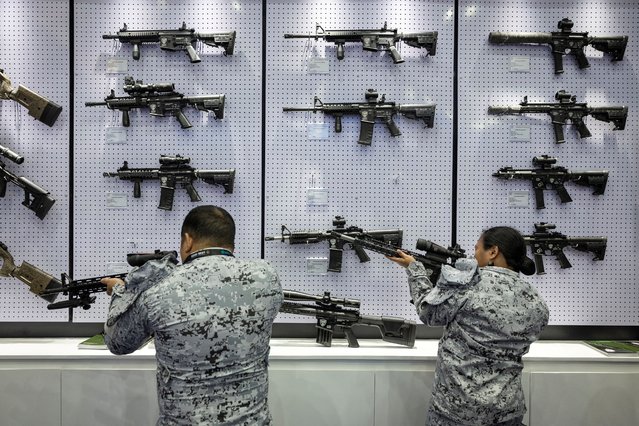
[(491, 316)]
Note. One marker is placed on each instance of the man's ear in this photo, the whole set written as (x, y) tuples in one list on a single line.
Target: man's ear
[(187, 242)]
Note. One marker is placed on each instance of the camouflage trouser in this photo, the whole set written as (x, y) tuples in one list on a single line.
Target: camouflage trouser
[(436, 419)]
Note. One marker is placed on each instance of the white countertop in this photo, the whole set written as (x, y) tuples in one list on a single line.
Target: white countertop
[(303, 349)]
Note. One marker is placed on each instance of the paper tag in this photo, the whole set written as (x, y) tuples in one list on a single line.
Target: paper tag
[(117, 66), (116, 200), (519, 64), (316, 196), (316, 265), (115, 135), (117, 268), (318, 66), (520, 133), (518, 199), (317, 131)]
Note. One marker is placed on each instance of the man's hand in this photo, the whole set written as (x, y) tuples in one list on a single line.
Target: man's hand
[(110, 283), (402, 258)]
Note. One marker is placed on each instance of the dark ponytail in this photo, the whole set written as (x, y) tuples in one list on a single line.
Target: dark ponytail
[(511, 245)]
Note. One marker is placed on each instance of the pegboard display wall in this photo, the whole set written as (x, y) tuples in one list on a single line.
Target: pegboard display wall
[(34, 52), (401, 182), (233, 142), (589, 293), (404, 182)]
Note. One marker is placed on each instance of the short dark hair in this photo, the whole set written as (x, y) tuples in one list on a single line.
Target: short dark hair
[(210, 224), (512, 245)]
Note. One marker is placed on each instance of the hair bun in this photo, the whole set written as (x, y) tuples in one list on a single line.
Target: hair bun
[(527, 266)]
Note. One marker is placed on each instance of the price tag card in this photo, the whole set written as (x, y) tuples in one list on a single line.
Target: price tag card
[(117, 268), (519, 64), (518, 199), (117, 66), (318, 66), (317, 131), (520, 133), (316, 196), (115, 135), (316, 265), (116, 200)]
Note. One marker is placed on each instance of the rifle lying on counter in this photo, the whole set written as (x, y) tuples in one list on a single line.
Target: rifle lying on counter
[(335, 314), (35, 198), (337, 245), (39, 107), (174, 170), (370, 111), (175, 40), (564, 41), (543, 242), (80, 292), (378, 40), (567, 109), (162, 101), (547, 177)]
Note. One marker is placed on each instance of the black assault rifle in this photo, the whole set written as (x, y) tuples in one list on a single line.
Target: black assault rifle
[(433, 259), (336, 245), (545, 243), (80, 292), (547, 177), (174, 170), (39, 107), (334, 314), (35, 197), (566, 41), (162, 101), (175, 40), (567, 109), (381, 40), (370, 111)]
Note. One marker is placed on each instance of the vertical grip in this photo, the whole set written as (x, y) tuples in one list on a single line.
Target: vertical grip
[(126, 120), (137, 191), (193, 56), (559, 62), (136, 51), (338, 123), (539, 264), (340, 51), (3, 187)]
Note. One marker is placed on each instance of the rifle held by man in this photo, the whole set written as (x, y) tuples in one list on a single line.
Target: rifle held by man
[(334, 314), (378, 40), (175, 40), (544, 242), (567, 109), (174, 170), (371, 111), (39, 107), (547, 177), (565, 41)]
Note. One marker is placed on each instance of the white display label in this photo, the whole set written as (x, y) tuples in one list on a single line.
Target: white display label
[(115, 135), (518, 198), (117, 268), (117, 66), (317, 131), (316, 265), (519, 64), (520, 133), (318, 66), (116, 200), (316, 196)]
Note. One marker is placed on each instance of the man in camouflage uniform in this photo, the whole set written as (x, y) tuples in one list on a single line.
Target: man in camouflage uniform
[(211, 319), (491, 316)]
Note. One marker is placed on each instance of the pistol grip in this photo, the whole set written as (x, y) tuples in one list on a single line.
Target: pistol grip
[(193, 56), (190, 189), (563, 194), (184, 122), (397, 58), (581, 58)]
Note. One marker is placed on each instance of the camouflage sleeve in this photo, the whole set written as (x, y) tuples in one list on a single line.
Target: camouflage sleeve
[(129, 332), (435, 306)]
